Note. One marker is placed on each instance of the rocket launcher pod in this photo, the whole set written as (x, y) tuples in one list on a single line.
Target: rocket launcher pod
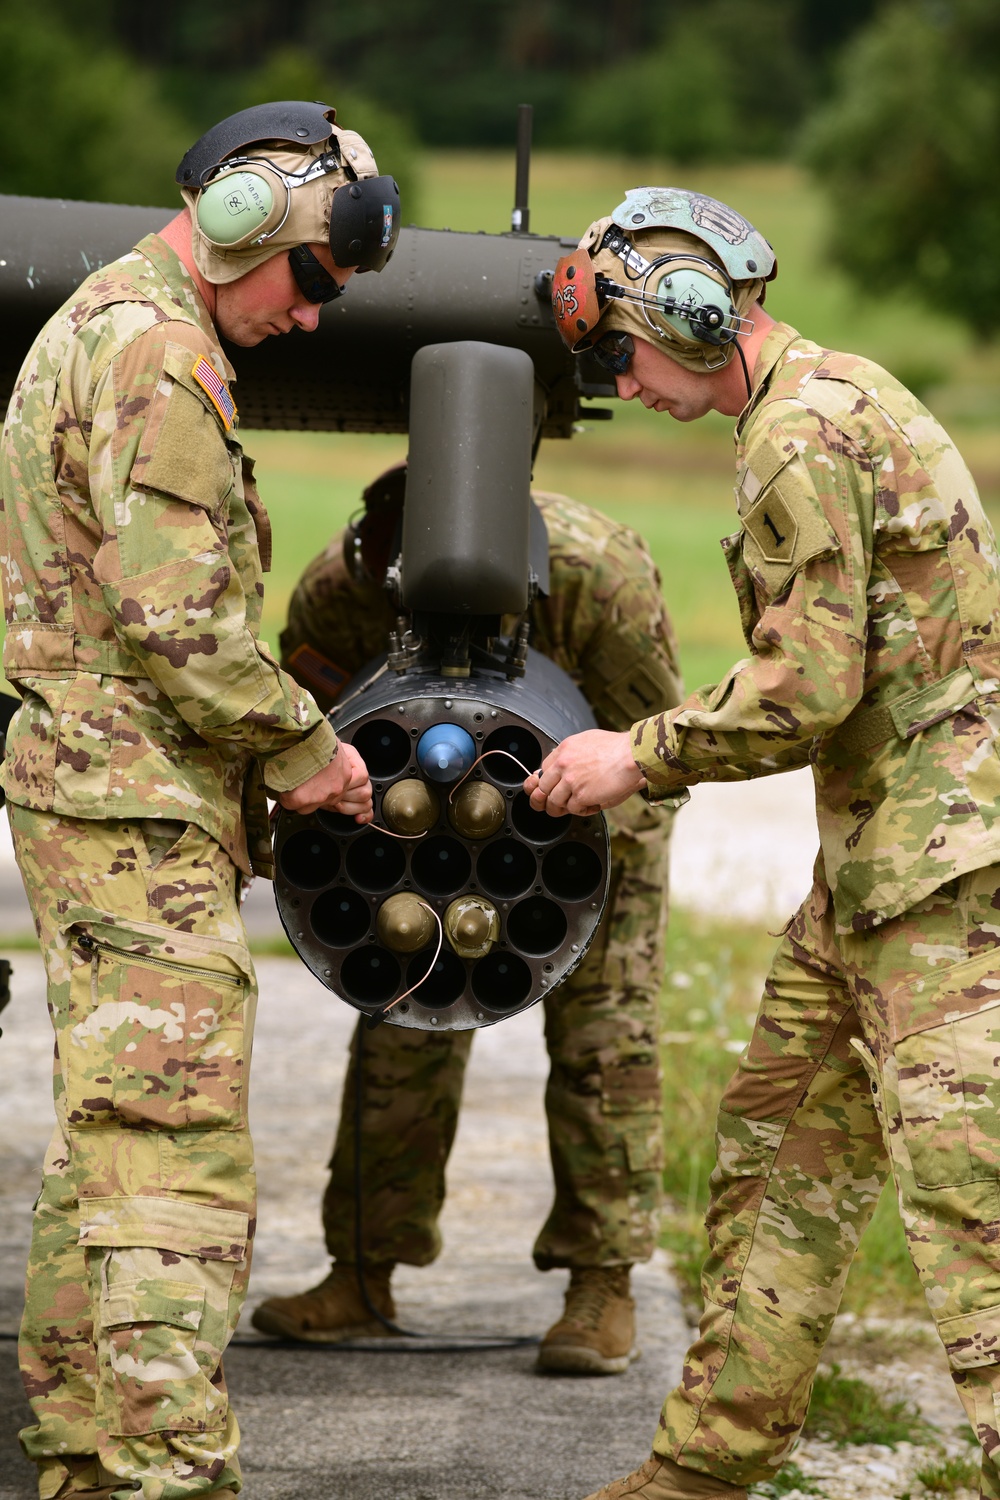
[(518, 894)]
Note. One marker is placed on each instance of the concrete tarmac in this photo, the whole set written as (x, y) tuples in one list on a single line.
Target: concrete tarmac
[(327, 1425)]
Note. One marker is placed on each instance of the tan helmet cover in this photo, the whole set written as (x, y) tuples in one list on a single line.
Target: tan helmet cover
[(308, 221), (629, 317)]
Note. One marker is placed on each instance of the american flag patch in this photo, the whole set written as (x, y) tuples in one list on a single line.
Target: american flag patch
[(318, 670), (215, 389)]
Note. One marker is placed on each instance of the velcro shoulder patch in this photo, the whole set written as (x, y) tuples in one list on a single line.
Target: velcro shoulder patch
[(215, 388), (784, 529), (759, 468), (312, 670), (629, 679), (182, 451), (772, 525)]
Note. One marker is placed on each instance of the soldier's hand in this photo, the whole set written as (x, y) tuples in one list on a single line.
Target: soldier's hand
[(584, 774), (342, 786)]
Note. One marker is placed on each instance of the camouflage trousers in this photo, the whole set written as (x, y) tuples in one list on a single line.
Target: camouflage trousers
[(603, 1101), (140, 1248), (871, 1052)]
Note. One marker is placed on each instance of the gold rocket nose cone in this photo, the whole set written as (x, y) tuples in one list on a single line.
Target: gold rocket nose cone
[(404, 923), (471, 926), (411, 806), (478, 810)]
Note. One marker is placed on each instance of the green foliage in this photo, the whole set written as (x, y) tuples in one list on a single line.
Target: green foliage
[(727, 80), (845, 1410), (459, 72), (947, 1476), (293, 73), (907, 150), (80, 119), (788, 1480)]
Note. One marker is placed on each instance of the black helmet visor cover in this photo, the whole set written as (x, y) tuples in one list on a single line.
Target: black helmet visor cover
[(364, 223)]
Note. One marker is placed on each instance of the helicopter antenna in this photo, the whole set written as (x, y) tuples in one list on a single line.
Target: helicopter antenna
[(521, 215)]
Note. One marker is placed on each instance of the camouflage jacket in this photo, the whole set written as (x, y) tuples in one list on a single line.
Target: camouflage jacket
[(133, 545), (603, 621), (866, 573)]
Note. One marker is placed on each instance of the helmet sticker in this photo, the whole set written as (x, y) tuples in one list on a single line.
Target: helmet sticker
[(709, 213)]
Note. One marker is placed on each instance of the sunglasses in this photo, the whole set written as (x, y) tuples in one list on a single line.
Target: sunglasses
[(614, 351), (313, 279)]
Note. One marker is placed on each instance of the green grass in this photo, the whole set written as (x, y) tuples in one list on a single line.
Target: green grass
[(947, 1476), (845, 1410), (789, 1480)]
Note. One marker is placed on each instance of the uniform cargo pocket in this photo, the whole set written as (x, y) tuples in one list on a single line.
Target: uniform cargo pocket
[(949, 1096), (643, 1142), (972, 1339), (151, 1043), (153, 1379)]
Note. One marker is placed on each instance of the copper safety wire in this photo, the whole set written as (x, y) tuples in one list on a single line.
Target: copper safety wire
[(475, 763)]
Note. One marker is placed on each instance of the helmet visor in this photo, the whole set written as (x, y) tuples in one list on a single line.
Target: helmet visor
[(364, 223)]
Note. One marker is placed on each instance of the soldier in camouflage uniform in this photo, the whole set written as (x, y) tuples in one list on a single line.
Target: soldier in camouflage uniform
[(152, 717), (866, 574), (605, 624)]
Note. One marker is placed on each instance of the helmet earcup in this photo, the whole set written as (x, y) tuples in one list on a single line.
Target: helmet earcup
[(692, 305), (241, 206)]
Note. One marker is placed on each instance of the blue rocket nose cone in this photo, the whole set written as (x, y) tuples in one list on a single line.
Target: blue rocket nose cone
[(445, 752)]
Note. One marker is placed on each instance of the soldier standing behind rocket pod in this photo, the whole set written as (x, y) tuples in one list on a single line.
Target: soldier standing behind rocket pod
[(604, 622)]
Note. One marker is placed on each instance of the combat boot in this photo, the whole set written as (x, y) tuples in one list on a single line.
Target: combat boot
[(661, 1479), (596, 1333), (332, 1311)]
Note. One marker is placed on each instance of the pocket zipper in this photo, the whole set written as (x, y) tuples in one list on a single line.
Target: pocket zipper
[(147, 961)]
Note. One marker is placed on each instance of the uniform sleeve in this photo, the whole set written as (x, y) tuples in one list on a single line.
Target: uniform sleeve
[(162, 477), (800, 567)]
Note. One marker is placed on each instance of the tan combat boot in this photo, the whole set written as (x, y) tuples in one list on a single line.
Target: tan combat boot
[(332, 1311), (596, 1333), (661, 1479)]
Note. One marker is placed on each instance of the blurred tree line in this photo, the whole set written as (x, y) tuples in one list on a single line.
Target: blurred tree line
[(893, 103)]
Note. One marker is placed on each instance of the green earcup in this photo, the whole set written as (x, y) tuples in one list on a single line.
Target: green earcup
[(708, 314), (235, 207)]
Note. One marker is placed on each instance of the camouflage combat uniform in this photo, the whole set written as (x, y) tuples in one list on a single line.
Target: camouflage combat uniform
[(866, 573), (605, 624), (133, 545)]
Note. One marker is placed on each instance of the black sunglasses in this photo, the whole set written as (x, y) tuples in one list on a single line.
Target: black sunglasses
[(614, 351), (314, 280)]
